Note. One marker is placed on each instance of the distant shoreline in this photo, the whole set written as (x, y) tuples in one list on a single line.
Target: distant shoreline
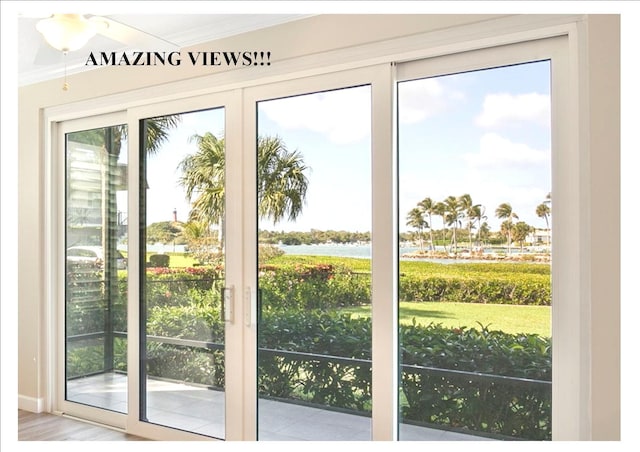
[(494, 257), (412, 253)]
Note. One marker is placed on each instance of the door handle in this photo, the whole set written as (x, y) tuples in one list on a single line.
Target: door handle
[(226, 304), (250, 306)]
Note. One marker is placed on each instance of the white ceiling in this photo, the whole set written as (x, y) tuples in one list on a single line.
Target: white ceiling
[(39, 62)]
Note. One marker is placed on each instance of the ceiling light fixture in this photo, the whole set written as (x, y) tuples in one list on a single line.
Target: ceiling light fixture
[(66, 32)]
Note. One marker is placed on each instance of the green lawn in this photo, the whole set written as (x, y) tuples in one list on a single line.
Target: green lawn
[(508, 318), (180, 260), (176, 260)]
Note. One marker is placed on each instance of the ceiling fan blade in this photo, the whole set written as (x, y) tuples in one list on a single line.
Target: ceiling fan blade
[(131, 36)]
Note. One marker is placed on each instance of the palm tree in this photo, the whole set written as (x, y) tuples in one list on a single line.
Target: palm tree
[(483, 231), (203, 179), (505, 211), (520, 232), (415, 219), (282, 183), (469, 210), (505, 228), (440, 210), (201, 242), (453, 214), (194, 230), (543, 211), (429, 207), (156, 132), (477, 214)]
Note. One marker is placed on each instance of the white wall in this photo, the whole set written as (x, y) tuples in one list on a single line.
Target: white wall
[(598, 53), (603, 93)]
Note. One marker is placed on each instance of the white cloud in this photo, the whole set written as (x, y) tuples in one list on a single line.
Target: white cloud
[(498, 153), (420, 99), (344, 116), (504, 109)]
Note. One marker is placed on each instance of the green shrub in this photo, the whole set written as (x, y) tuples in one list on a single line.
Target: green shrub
[(186, 363), (320, 380), (518, 289), (267, 252), (85, 300), (466, 398), (319, 286), (323, 286), (158, 260), (450, 377)]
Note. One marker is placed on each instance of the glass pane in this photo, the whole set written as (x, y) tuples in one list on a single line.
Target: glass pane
[(182, 254), (96, 268), (475, 255), (314, 207)]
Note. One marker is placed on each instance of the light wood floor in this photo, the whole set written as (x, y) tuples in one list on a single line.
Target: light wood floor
[(49, 427)]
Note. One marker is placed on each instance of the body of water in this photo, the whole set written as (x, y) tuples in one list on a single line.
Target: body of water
[(335, 250), (361, 251), (358, 251)]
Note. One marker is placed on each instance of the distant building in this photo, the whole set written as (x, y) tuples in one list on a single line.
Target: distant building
[(539, 237)]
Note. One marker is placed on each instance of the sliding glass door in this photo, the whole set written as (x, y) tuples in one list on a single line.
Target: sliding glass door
[(475, 252), (182, 271), (314, 266)]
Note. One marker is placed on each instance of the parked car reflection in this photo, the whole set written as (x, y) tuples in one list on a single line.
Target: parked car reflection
[(93, 256)]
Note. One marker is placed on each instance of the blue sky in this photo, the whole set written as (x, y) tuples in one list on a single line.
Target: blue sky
[(485, 133), (332, 130)]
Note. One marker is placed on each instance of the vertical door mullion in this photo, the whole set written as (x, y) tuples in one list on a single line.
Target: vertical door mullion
[(235, 361), (384, 251), (133, 283), (249, 269)]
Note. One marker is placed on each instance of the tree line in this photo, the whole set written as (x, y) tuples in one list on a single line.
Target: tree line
[(460, 213), (312, 237)]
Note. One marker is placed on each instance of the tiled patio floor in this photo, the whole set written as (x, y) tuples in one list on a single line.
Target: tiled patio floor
[(201, 410)]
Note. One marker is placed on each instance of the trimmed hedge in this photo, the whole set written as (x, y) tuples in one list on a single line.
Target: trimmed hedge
[(323, 381), (523, 289), (324, 286)]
